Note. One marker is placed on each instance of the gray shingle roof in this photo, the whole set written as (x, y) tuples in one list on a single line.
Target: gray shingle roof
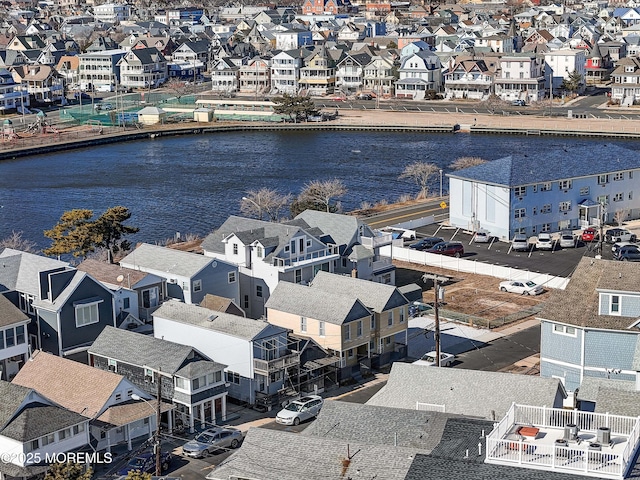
[(167, 260), (200, 368), (618, 401), (343, 229), (12, 397), (274, 455), (140, 350), (373, 425), (9, 313), (19, 270), (465, 392), (578, 303), (524, 169), (38, 419), (234, 325), (590, 387), (335, 308), (376, 296)]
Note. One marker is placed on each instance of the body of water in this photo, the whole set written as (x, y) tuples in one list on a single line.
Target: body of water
[(191, 184)]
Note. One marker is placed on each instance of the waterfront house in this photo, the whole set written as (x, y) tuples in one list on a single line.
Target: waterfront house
[(625, 86), (266, 253), (258, 355), (527, 194), (379, 75), (224, 76), (32, 426), (143, 68), (193, 52), (191, 381), (285, 71), (100, 69), (254, 77), (14, 348), (520, 77), (559, 64), (318, 76), (469, 78), (350, 72), (42, 82), (590, 329), (104, 398), (12, 96), (419, 72), (189, 276)]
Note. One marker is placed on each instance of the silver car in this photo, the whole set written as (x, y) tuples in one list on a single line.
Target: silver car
[(300, 410), (212, 440)]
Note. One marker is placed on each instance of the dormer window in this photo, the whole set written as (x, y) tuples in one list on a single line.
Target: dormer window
[(614, 308)]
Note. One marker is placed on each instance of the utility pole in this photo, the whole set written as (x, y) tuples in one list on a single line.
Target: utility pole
[(436, 313), (602, 211), (156, 440)]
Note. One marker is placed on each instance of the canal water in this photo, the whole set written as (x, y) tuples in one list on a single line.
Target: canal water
[(191, 184)]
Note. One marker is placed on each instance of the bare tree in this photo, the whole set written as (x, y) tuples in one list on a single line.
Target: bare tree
[(620, 216), (322, 192), (466, 162), (264, 201), (17, 242), (179, 87), (420, 172)]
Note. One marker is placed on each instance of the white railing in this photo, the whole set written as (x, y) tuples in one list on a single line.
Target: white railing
[(632, 444), (384, 262), (294, 260), (473, 266), (430, 407)]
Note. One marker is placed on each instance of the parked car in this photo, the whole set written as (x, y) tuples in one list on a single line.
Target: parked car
[(589, 234), (519, 103), (146, 463), (429, 359), (416, 309), (615, 248), (522, 287), (545, 242), (520, 243), (567, 240), (212, 440), (300, 410), (364, 96), (614, 235), (482, 236), (453, 249), (426, 243), (628, 253)]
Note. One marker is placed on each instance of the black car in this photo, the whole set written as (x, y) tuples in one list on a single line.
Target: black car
[(426, 243), (146, 463), (628, 253)]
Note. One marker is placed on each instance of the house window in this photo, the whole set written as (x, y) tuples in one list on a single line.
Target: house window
[(564, 330), (618, 197), (259, 252), (359, 328), (10, 337), (35, 444), (126, 303), (258, 290), (303, 324), (630, 195), (118, 397), (232, 277), (87, 314), (148, 375), (321, 329), (197, 285), (584, 191), (546, 208), (520, 191), (390, 318), (233, 377), (347, 331), (546, 227), (246, 301), (402, 315), (20, 337), (235, 248), (373, 322), (181, 383), (47, 439), (564, 206), (520, 212), (387, 340), (564, 184), (618, 176), (615, 305), (1, 339), (62, 434), (78, 428), (298, 275), (603, 199), (535, 188), (603, 179), (545, 187), (129, 393), (112, 365), (350, 353)]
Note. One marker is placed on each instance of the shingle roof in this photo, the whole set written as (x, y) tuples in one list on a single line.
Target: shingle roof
[(77, 387), (525, 168), (376, 296), (274, 455), (13, 395), (578, 303), (465, 392), (590, 387), (19, 270), (9, 313), (110, 273), (234, 325), (38, 419), (373, 425), (618, 400), (141, 350), (330, 307), (167, 260)]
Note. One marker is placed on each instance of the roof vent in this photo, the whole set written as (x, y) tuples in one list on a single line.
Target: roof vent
[(211, 318)]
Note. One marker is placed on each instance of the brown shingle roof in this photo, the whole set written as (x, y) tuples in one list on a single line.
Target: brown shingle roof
[(9, 313), (125, 413), (578, 303), (75, 386), (110, 273)]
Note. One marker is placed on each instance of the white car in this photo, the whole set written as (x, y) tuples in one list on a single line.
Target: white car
[(300, 410), (567, 240), (429, 359), (545, 242), (482, 236), (522, 287)]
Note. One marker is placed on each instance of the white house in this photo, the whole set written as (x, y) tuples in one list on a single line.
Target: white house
[(419, 72), (559, 64), (112, 12), (14, 345), (520, 77)]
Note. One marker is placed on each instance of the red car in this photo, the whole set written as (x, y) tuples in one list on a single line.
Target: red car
[(453, 249), (589, 234)]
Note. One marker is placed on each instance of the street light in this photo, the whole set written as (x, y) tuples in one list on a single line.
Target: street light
[(257, 206), (156, 435), (440, 183)]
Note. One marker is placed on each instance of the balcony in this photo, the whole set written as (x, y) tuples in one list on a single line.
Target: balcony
[(536, 437), (306, 259), (267, 367), (379, 241), (381, 264)]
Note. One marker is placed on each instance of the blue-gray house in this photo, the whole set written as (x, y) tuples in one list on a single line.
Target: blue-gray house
[(591, 328), (527, 193)]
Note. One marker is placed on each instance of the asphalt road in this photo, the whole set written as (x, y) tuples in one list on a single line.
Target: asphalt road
[(411, 212)]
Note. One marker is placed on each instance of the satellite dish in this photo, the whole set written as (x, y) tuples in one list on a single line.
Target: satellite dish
[(120, 278), (214, 264)]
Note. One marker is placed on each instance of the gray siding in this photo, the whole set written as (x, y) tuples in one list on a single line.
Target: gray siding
[(216, 281), (48, 322), (629, 305), (560, 347), (571, 375), (610, 349)]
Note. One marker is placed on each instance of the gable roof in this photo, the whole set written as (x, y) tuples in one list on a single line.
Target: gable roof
[(140, 350), (465, 392), (526, 168), (10, 314), (109, 273), (77, 387), (167, 260), (233, 325), (20, 270), (375, 296), (578, 303), (343, 229)]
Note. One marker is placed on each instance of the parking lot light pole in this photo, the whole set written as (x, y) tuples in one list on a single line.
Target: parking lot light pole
[(156, 436)]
